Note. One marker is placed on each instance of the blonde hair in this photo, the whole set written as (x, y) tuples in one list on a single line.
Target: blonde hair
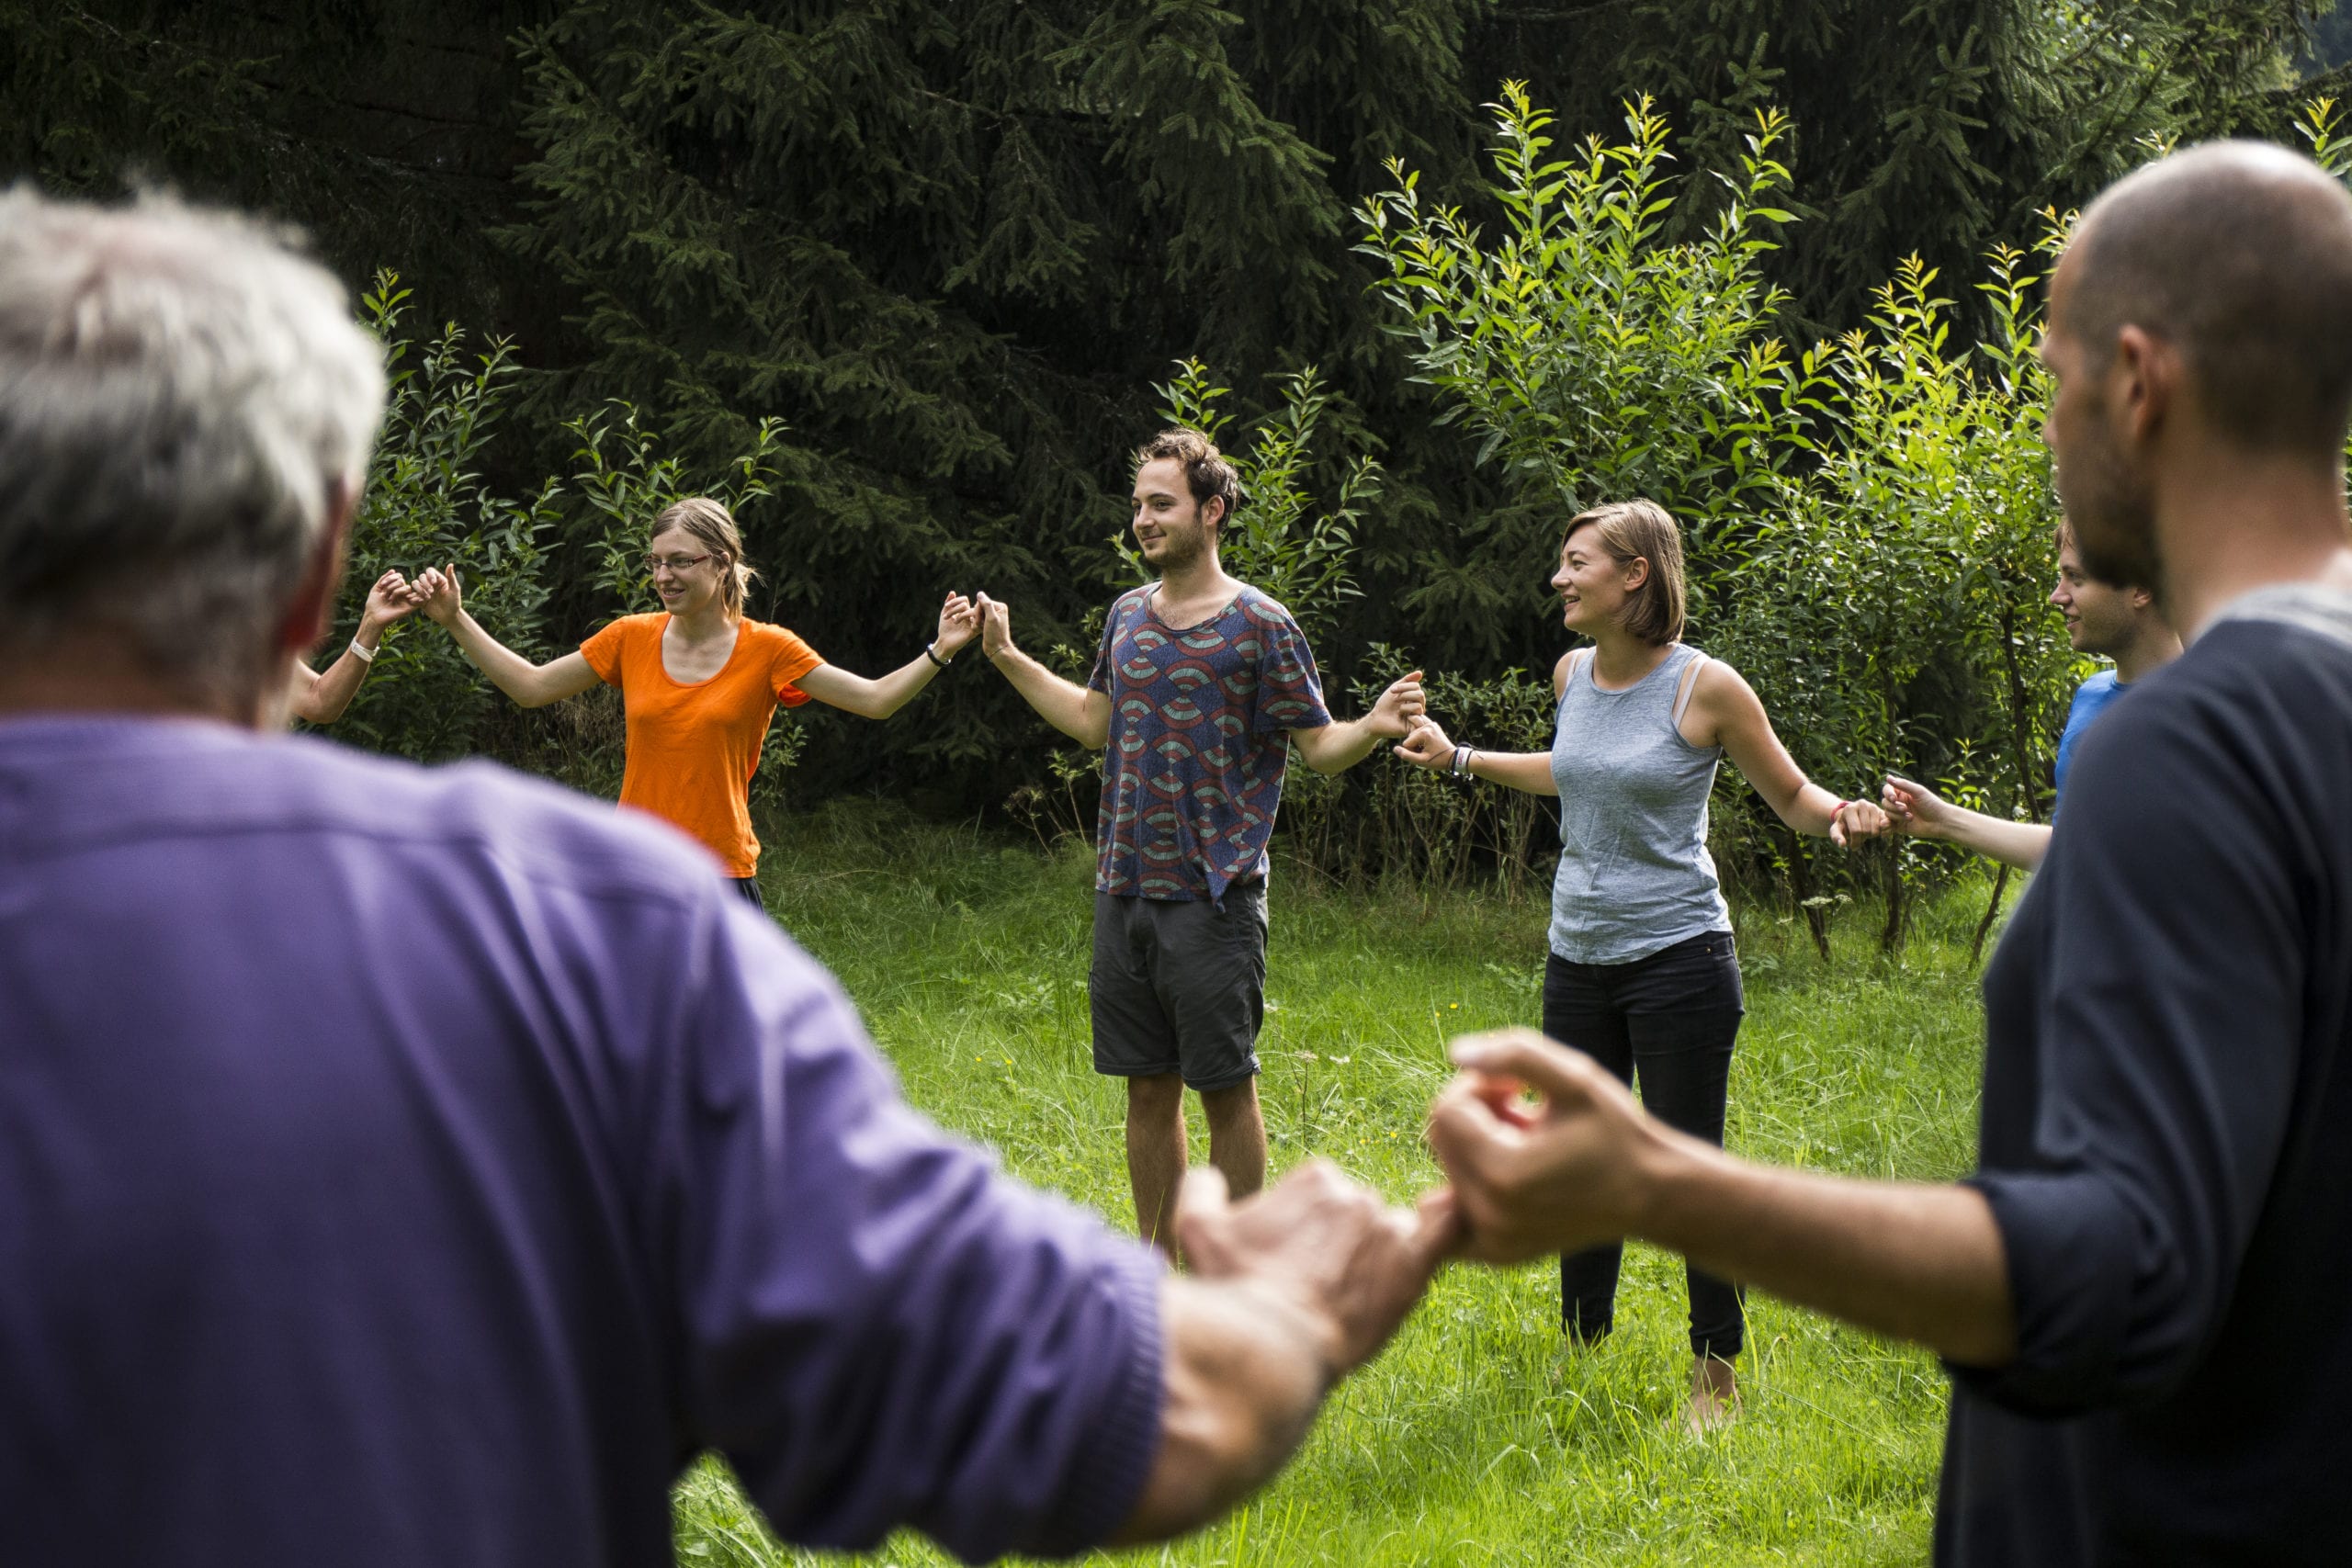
[(713, 527), (1641, 530)]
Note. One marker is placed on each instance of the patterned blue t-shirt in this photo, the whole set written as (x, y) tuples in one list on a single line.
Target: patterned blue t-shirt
[(2089, 697), (1199, 742)]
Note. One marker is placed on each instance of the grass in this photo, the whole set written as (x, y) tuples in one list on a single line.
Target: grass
[(1477, 1437)]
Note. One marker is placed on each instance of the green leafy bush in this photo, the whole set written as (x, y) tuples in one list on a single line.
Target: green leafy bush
[(1870, 521), (426, 505)]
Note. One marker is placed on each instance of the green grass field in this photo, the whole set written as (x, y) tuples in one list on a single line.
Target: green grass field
[(1478, 1436)]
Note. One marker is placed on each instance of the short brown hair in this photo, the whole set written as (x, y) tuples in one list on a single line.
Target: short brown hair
[(1207, 473), (1641, 530), (2062, 538), (2240, 253), (713, 527)]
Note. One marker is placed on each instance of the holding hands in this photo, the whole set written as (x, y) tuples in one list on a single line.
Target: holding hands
[(1427, 745), (1570, 1171), (1855, 819), (1320, 1250), (1399, 709), (1915, 809), (440, 595), (392, 598), (996, 626), (959, 622)]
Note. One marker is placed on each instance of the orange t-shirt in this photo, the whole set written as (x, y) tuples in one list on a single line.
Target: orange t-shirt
[(692, 748)]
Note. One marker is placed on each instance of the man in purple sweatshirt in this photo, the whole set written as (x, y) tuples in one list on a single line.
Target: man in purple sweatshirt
[(420, 1166)]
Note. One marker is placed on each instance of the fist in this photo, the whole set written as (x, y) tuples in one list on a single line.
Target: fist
[(1856, 820), (442, 597), (1399, 707), (996, 626), (959, 622), (1325, 1244), (1427, 745), (1912, 808)]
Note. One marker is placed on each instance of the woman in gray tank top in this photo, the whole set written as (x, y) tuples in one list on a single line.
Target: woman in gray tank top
[(1641, 975)]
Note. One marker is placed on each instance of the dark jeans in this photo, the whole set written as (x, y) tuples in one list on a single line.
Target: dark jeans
[(1671, 1019), (748, 889)]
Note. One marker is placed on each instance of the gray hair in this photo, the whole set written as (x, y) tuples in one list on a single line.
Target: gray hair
[(181, 395)]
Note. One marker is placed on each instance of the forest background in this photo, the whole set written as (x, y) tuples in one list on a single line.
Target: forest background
[(908, 279)]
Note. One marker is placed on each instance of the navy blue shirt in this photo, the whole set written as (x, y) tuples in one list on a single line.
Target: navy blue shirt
[(418, 1168), (2166, 1139)]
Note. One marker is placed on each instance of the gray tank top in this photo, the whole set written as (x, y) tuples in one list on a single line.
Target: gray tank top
[(1635, 873)]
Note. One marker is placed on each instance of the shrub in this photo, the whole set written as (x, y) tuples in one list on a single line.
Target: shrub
[(1870, 521), (426, 503)]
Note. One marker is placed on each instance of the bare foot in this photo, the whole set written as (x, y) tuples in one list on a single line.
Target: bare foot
[(1714, 1396)]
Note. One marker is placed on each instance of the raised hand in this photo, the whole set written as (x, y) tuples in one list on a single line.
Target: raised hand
[(996, 626), (1399, 707), (391, 599), (1427, 745), (1915, 808), (1322, 1247), (1856, 820), (959, 622), (442, 597), (1558, 1176)]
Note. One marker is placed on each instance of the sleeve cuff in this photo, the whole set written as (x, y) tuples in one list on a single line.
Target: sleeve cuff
[(1103, 1489), (2070, 1244)]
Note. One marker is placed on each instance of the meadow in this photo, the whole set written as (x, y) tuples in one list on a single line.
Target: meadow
[(1478, 1436)]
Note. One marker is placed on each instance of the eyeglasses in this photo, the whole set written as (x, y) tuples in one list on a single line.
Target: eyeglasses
[(674, 563)]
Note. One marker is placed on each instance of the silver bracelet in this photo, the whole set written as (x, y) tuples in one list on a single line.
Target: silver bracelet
[(367, 655), (1461, 755)]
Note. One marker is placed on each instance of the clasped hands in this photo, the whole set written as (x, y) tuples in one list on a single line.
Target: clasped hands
[(1524, 1179)]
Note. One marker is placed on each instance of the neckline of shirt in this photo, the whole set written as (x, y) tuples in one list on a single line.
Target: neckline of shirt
[(661, 638), (1151, 608), (1593, 681)]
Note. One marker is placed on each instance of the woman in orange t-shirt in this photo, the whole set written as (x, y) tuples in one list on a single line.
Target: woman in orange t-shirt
[(699, 681)]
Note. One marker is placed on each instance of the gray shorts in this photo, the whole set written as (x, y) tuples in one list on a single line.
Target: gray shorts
[(1180, 987)]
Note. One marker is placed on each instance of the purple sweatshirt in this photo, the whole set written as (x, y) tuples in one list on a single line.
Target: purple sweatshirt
[(420, 1166)]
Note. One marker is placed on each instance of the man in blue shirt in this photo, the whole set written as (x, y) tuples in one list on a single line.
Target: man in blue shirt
[(2118, 622), (2140, 1290), (405, 1166), (1200, 687)]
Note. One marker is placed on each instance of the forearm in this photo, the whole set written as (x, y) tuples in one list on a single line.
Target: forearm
[(1060, 703), (1910, 1261), (2020, 844), (330, 691), (508, 670), (334, 690), (1336, 746), (1527, 770), (1245, 1373), (1811, 810), (883, 696)]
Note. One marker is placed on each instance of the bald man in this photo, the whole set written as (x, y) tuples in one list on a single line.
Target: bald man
[(2141, 1291)]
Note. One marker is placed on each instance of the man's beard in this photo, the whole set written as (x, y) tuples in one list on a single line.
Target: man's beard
[(2113, 514), (1179, 551)]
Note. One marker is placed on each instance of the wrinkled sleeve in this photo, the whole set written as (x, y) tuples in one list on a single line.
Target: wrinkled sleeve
[(878, 1327), (604, 648), (1290, 690), (1102, 679), (2169, 1029), (793, 659)]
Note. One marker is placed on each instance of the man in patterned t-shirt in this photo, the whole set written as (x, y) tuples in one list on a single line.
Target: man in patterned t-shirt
[(1200, 687)]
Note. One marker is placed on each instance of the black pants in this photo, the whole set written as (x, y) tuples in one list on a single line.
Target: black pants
[(748, 889), (1671, 1019)]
